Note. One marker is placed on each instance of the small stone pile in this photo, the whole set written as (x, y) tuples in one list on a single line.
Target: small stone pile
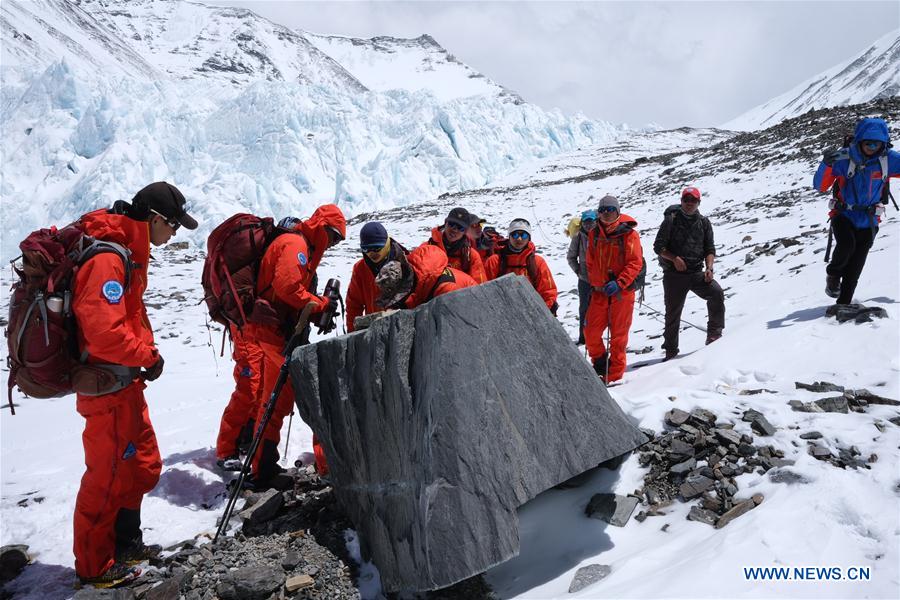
[(699, 457)]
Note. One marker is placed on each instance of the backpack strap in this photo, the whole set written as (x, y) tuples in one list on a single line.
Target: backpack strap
[(445, 277), (95, 247)]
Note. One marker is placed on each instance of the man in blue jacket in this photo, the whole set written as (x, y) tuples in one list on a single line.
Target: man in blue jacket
[(860, 175)]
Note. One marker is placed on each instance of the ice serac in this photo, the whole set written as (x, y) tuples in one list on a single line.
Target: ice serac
[(440, 422)]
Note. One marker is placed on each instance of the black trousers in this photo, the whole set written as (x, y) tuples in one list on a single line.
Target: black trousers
[(675, 289), (851, 248)]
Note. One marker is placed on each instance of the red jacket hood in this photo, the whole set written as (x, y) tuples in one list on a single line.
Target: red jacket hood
[(428, 263), (134, 235), (313, 229)]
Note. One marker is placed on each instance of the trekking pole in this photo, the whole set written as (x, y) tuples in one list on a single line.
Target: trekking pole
[(894, 202), (298, 338), (830, 237), (287, 439), (681, 320), (612, 277)]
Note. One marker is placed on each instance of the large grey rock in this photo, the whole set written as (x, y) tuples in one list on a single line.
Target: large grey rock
[(252, 582), (588, 575), (612, 508), (440, 422)]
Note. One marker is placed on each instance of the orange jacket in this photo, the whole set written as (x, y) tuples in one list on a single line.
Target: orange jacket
[(362, 291), (476, 265), (112, 321), (615, 247), (289, 263), (429, 263), (518, 263)]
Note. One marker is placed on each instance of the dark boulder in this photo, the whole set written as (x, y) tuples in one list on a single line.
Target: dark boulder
[(440, 422)]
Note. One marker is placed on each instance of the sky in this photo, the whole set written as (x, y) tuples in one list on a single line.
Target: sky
[(669, 63)]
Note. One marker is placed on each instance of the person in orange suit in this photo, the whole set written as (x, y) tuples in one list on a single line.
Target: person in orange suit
[(237, 426), (121, 456), (519, 256), (285, 279), (452, 239), (414, 280), (614, 259), (377, 249)]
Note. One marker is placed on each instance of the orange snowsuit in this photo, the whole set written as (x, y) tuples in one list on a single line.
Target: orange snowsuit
[(362, 292), (466, 259), (120, 453), (241, 409), (612, 249), (285, 275), (433, 277), (541, 277)]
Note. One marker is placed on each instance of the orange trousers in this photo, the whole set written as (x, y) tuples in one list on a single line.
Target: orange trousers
[(242, 406), (271, 360), (615, 313), (122, 464)]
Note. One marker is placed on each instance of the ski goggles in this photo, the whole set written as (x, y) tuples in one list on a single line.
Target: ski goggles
[(170, 222), (872, 144), (607, 209), (520, 235), (372, 248)]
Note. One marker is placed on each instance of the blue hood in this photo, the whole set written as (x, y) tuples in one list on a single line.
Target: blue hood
[(869, 129)]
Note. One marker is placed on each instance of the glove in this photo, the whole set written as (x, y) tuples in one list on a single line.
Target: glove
[(612, 288), (830, 155), (153, 373)]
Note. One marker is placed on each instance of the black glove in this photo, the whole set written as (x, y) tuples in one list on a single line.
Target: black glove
[(153, 373), (830, 155)]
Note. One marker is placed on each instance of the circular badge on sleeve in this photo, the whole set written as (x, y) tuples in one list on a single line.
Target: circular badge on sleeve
[(112, 290), (302, 258)]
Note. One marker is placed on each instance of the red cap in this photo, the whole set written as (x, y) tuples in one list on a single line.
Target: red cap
[(691, 191)]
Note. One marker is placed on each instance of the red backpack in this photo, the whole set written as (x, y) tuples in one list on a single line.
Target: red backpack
[(41, 332), (234, 250)]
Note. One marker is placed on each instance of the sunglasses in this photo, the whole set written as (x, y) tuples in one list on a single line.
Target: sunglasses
[(520, 235), (373, 248), (607, 209), (690, 200), (456, 226), (871, 144), (171, 223)]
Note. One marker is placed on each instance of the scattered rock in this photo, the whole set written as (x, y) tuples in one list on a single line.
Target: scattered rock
[(298, 582), (290, 561), (612, 508), (694, 486), (819, 452), (811, 435), (836, 404), (728, 436), (13, 559), (684, 467), (676, 417), (265, 507), (871, 398), (90, 593), (253, 582), (702, 515), (178, 246), (857, 313), (819, 387), (739, 509), (588, 575), (786, 476)]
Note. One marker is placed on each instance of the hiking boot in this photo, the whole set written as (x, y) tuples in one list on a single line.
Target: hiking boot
[(670, 354), (117, 575), (277, 481), (230, 463), (832, 286), (600, 366), (138, 553), (712, 337)]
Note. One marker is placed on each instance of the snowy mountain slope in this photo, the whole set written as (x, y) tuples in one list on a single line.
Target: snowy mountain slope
[(875, 73), (770, 232), (385, 63), (241, 114)]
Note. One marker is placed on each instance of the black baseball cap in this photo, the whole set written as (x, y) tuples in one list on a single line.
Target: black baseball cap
[(460, 216), (165, 199)]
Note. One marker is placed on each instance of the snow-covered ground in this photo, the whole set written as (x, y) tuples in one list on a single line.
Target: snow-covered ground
[(776, 333)]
